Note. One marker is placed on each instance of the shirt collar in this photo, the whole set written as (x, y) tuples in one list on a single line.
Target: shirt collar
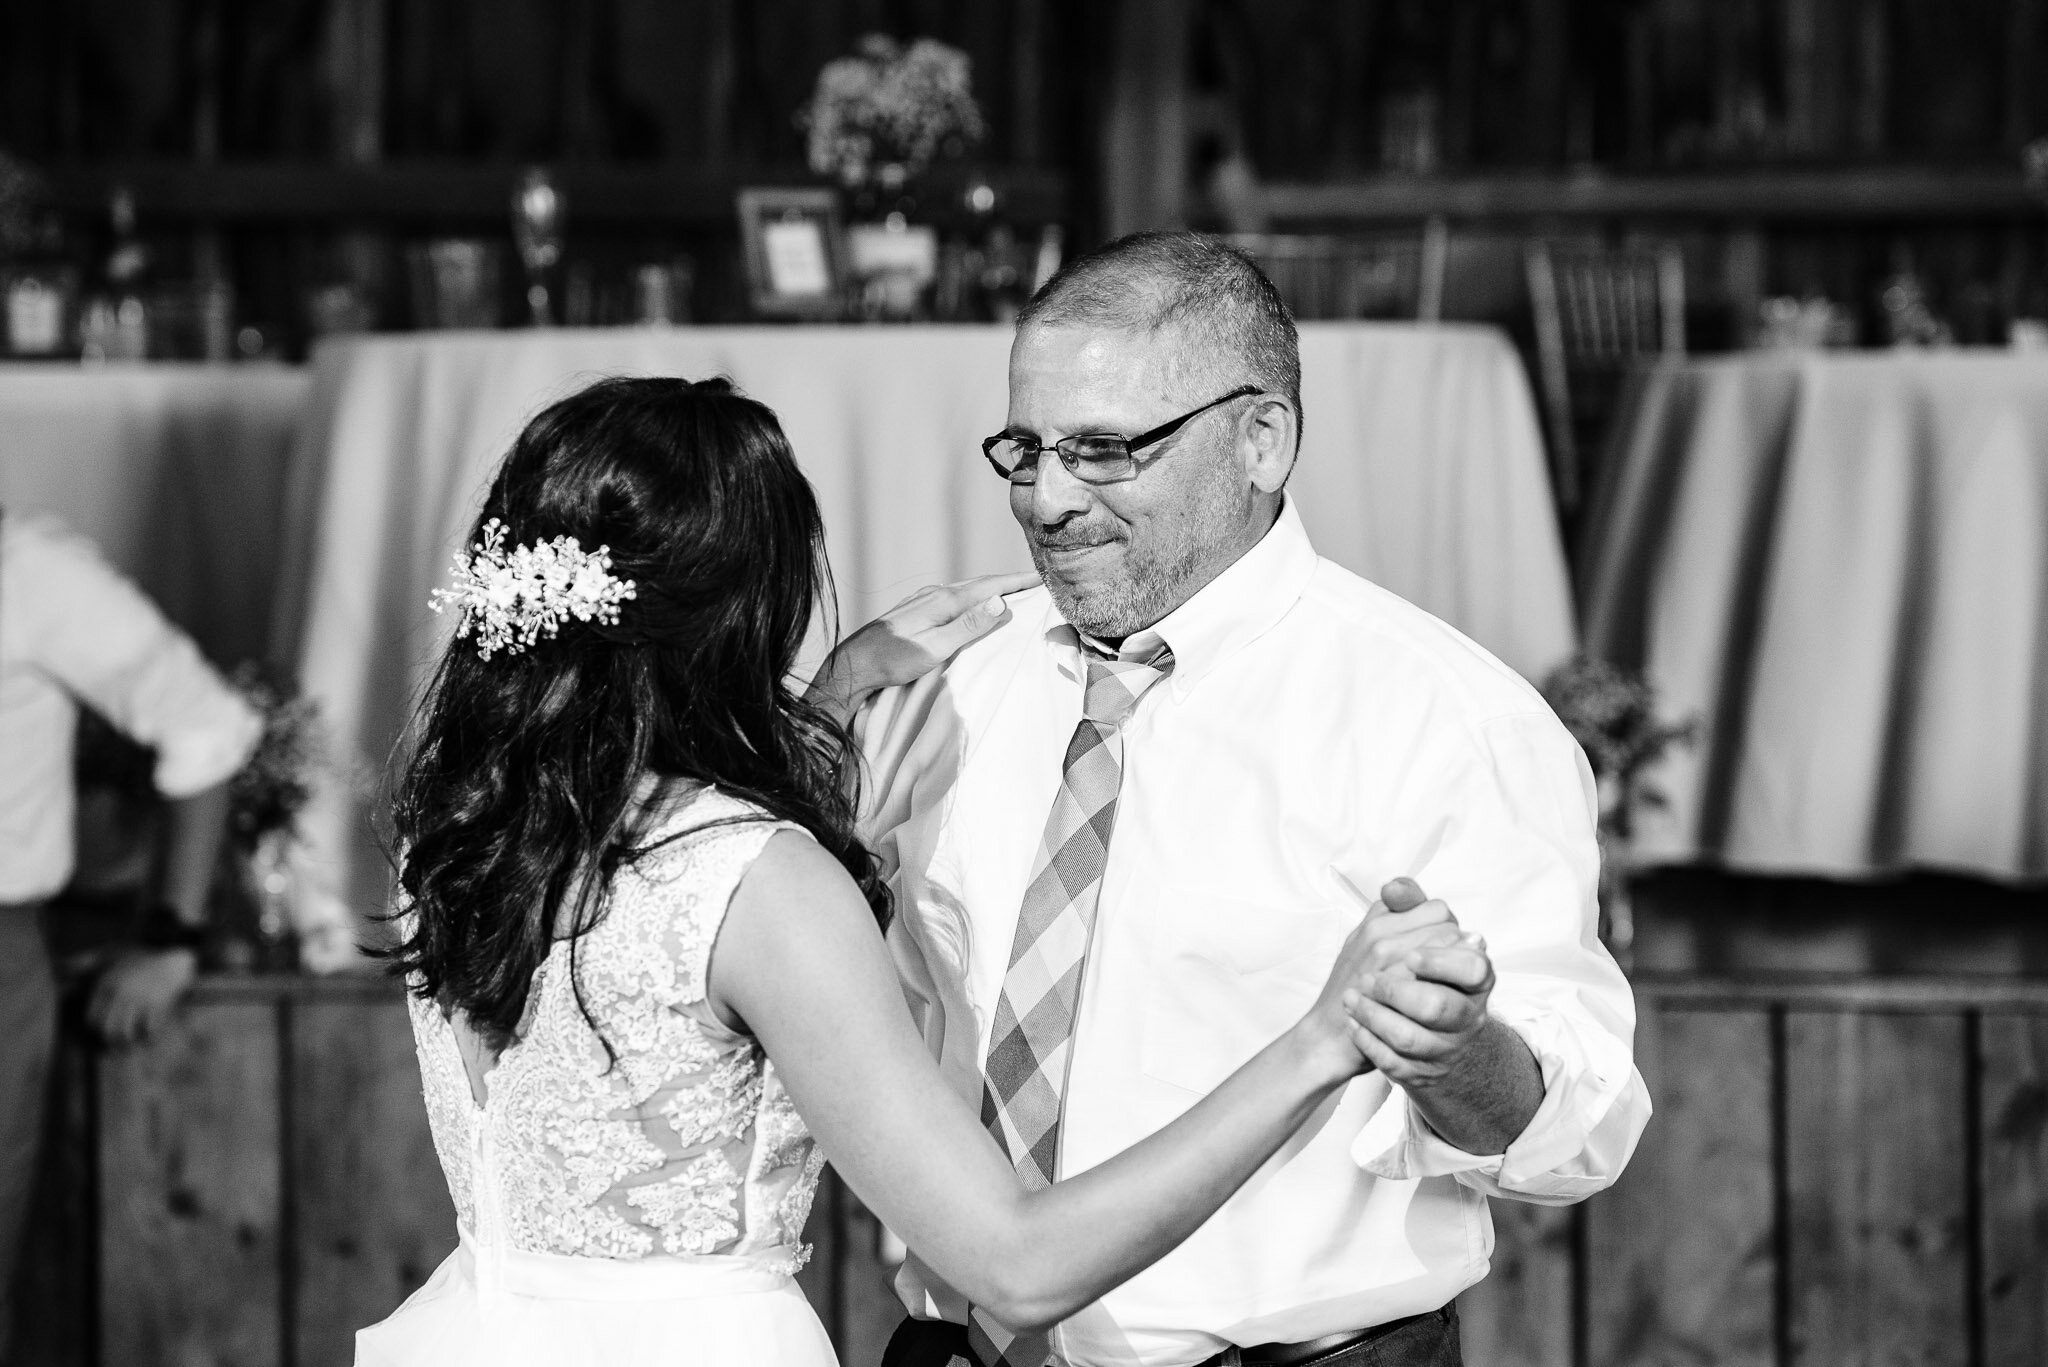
[(1230, 611)]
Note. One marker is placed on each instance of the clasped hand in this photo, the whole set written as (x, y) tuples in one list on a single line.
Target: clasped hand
[(1415, 986)]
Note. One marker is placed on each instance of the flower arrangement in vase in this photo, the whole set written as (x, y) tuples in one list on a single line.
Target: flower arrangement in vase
[(265, 797), (876, 121), (1612, 714)]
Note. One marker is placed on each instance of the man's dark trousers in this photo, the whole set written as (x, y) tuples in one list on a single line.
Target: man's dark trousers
[(1426, 1340)]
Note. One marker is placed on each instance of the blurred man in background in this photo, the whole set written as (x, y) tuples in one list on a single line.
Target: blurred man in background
[(73, 631)]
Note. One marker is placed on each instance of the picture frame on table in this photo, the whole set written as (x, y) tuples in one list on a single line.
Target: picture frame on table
[(795, 251)]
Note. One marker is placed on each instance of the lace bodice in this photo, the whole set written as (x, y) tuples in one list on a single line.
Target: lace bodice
[(688, 1144)]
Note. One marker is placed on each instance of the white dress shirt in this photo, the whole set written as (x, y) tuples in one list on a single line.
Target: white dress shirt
[(1313, 723), (73, 629)]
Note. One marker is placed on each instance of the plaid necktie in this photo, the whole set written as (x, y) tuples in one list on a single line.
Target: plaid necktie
[(1025, 1078)]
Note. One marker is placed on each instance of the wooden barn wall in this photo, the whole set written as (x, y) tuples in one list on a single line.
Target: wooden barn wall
[(1838, 1171)]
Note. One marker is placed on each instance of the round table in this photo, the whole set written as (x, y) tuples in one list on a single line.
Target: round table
[(1838, 562)]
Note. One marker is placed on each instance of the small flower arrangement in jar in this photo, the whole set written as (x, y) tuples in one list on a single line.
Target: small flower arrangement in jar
[(1612, 714), (265, 798), (885, 112)]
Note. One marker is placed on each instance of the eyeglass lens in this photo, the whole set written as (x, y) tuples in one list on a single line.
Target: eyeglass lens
[(1093, 460)]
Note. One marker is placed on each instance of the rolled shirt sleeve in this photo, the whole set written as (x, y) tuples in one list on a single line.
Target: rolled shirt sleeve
[(1517, 861), (100, 638)]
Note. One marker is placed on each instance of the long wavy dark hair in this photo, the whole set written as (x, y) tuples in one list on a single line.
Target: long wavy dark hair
[(520, 797)]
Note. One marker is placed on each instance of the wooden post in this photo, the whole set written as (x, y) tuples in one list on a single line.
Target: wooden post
[(353, 68), (2022, 77), (1543, 128), (1145, 149), (1027, 80)]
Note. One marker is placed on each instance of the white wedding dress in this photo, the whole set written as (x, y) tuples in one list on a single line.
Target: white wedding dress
[(631, 1212)]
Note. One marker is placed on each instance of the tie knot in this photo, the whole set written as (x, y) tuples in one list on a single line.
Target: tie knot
[(1115, 683)]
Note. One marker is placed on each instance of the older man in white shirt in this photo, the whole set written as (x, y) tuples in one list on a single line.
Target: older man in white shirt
[(1309, 735), (72, 631)]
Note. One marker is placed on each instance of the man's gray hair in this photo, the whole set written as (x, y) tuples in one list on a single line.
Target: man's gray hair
[(1236, 327)]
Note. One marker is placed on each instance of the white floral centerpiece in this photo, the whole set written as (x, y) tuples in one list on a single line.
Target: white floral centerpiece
[(877, 121), (886, 111)]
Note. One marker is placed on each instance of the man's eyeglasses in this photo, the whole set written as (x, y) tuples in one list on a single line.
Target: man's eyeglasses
[(1092, 458)]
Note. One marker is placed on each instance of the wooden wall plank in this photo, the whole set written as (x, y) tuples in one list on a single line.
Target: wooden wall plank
[(1876, 1188), (2014, 1201), (1680, 1253), (1522, 1314), (372, 1217), (190, 1181)]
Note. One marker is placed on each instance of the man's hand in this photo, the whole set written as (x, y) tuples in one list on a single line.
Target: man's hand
[(1425, 1004), (1421, 1019), (137, 993), (913, 638)]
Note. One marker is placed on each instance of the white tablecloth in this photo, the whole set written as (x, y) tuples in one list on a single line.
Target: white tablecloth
[(177, 471), (1839, 563), (1422, 469)]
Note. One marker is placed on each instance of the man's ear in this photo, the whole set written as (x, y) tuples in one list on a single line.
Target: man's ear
[(1266, 442)]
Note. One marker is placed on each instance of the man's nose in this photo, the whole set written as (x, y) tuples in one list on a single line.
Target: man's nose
[(1058, 494)]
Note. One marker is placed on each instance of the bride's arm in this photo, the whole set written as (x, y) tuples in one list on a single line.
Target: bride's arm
[(800, 965)]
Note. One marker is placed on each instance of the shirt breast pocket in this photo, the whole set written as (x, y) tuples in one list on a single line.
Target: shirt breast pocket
[(1232, 972)]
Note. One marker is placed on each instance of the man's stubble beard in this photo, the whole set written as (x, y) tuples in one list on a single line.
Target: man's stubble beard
[(1150, 589)]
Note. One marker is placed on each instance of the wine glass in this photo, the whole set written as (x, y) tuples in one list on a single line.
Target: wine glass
[(537, 212)]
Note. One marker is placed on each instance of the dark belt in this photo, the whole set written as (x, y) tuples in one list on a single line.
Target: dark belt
[(1312, 1351), (935, 1343)]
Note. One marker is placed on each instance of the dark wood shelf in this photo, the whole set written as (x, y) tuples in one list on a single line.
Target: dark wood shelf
[(432, 192), (1875, 193)]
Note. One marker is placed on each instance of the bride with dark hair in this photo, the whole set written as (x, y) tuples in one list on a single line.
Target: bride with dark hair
[(640, 933)]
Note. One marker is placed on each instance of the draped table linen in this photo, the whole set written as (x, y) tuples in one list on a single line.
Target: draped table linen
[(178, 472), (1839, 564), (1421, 469)]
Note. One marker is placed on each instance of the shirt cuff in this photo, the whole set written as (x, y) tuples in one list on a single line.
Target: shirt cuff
[(1399, 1144), (194, 759)]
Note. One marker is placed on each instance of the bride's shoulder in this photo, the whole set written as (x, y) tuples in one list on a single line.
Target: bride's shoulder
[(685, 825)]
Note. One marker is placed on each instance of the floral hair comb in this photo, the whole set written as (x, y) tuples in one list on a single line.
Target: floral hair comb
[(510, 600)]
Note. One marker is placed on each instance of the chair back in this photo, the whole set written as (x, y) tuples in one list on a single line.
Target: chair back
[(1597, 312), (1327, 275)]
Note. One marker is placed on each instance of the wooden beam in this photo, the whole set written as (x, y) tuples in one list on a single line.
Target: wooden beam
[(1850, 194), (1938, 995), (283, 192)]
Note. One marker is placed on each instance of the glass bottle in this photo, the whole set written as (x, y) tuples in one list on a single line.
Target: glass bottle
[(41, 295), (115, 326)]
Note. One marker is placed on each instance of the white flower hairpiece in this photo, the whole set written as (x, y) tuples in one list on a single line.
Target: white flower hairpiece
[(511, 600)]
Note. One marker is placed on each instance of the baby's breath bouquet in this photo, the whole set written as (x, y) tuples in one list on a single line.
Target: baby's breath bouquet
[(265, 798), (1612, 714), (269, 790), (887, 110)]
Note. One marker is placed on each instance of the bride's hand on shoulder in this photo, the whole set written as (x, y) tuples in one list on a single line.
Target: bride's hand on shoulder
[(913, 638)]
